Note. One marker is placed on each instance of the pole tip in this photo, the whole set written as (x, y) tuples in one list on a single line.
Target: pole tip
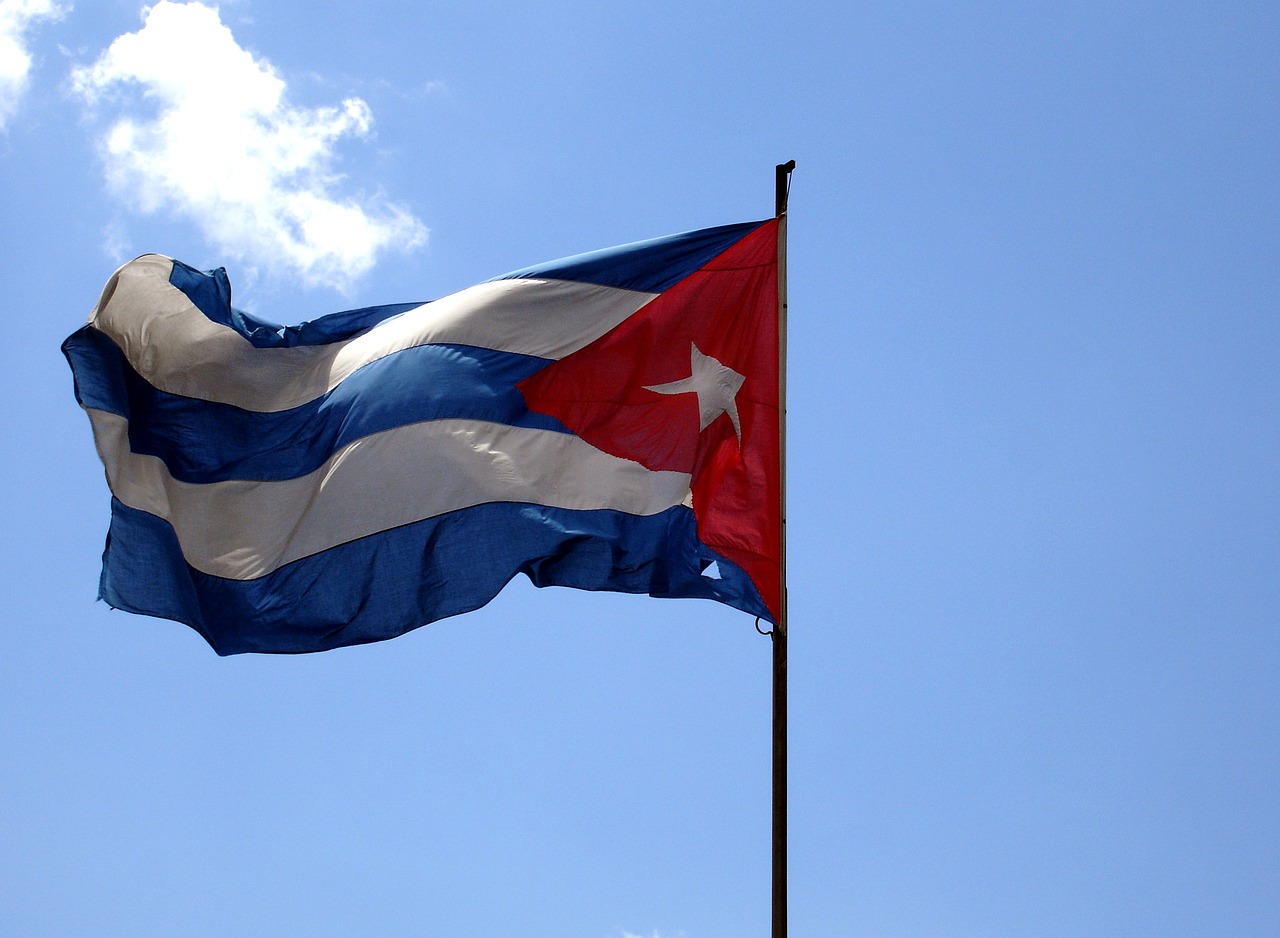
[(782, 185)]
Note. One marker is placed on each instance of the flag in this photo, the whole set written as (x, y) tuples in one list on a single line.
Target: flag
[(608, 421)]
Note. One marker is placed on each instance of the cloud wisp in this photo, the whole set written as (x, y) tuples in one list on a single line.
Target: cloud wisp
[(15, 58), (223, 146)]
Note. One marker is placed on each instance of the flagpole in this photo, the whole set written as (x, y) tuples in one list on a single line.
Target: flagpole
[(782, 185)]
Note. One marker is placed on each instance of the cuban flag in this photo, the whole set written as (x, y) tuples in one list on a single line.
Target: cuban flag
[(608, 421)]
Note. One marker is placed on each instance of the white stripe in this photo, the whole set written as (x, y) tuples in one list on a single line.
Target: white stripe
[(244, 529), (176, 348)]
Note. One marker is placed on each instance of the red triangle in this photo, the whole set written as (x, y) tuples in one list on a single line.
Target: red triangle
[(728, 309)]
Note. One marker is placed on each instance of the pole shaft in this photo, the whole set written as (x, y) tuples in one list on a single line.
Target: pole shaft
[(779, 929), (782, 179)]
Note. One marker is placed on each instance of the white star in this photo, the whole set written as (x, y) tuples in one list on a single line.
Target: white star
[(715, 384)]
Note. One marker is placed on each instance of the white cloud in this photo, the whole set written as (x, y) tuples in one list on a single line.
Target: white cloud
[(224, 147), (15, 59)]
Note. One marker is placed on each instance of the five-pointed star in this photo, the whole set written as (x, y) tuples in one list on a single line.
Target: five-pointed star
[(716, 386)]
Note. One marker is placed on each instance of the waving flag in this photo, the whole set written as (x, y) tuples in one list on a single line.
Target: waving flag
[(608, 421)]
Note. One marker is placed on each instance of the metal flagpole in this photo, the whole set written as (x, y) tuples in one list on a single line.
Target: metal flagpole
[(782, 185)]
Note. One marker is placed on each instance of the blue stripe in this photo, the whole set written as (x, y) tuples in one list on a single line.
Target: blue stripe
[(650, 266), (210, 292), (204, 441), (385, 585), (96, 377)]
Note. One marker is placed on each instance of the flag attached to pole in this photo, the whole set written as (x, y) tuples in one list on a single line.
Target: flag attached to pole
[(609, 421)]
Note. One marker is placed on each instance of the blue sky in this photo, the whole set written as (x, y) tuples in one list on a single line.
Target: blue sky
[(1034, 436)]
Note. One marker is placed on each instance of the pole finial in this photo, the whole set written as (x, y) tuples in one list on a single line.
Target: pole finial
[(782, 186)]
